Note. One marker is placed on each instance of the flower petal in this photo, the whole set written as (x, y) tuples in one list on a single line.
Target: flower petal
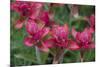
[(91, 30), (74, 33), (19, 24), (43, 49), (66, 27), (46, 31), (28, 41), (32, 27), (92, 45), (60, 32), (40, 34), (73, 45), (85, 36), (48, 43), (45, 17), (92, 20), (36, 10)]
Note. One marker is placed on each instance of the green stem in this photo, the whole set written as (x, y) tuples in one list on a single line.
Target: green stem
[(38, 55), (58, 57), (81, 59), (61, 57), (55, 60), (81, 55)]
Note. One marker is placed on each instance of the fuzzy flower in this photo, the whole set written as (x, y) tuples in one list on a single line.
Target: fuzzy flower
[(84, 38), (26, 10), (60, 34), (36, 31), (60, 38)]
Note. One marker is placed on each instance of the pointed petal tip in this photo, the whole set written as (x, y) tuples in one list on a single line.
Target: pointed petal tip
[(73, 45), (43, 49), (28, 42), (74, 32), (19, 24)]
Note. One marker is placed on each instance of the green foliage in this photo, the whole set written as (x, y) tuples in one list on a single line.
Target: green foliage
[(86, 10), (89, 56), (61, 14), (72, 56)]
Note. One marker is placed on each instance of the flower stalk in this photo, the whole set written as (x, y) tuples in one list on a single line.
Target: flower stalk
[(58, 56), (38, 55), (81, 55)]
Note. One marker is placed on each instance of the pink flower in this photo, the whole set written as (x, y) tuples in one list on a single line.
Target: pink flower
[(44, 17), (36, 9), (26, 10), (36, 31), (60, 38), (60, 34), (84, 38), (32, 27), (92, 21), (21, 7)]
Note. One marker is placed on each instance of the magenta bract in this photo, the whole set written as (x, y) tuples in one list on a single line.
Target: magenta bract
[(36, 30), (84, 38), (60, 38)]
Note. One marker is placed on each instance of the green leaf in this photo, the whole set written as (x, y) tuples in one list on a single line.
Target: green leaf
[(71, 56), (25, 57), (44, 57), (89, 55), (86, 10)]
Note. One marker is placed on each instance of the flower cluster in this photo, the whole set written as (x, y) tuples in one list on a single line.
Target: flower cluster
[(44, 33)]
